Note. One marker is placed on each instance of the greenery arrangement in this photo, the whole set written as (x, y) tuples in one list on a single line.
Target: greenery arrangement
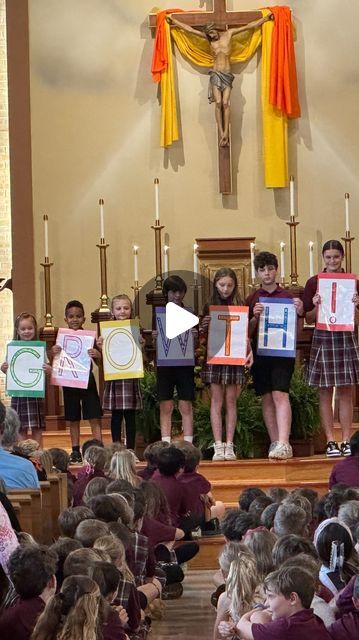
[(305, 407), (250, 438)]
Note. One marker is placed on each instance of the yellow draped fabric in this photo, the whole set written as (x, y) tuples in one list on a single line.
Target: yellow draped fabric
[(244, 45)]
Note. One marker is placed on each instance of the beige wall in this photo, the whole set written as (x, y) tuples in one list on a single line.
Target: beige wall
[(95, 132)]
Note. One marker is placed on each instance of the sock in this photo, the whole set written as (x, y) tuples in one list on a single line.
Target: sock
[(76, 447), (166, 439), (188, 438), (218, 442)]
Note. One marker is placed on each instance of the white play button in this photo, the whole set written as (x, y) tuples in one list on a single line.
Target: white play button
[(178, 320)]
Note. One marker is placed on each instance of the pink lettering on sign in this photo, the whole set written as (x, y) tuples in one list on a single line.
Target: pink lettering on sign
[(72, 346)]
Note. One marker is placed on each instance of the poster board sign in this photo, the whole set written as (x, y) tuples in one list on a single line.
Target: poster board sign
[(227, 335), (71, 367), (277, 330), (25, 377), (121, 349), (175, 352), (336, 311)]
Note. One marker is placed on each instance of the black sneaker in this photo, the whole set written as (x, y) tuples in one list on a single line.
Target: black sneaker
[(172, 591), (332, 450), (75, 457), (345, 448)]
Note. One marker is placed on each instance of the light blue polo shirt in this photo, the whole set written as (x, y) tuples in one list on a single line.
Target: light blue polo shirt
[(17, 472)]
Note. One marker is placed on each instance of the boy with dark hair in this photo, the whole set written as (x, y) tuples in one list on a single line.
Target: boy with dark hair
[(69, 519), (248, 495), (79, 403), (181, 378), (236, 523), (289, 592), (272, 374), (32, 571)]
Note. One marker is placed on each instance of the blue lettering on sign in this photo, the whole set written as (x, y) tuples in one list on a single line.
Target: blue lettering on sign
[(182, 339), (276, 325)]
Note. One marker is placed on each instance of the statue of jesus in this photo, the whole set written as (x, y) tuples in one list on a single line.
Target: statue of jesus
[(220, 77)]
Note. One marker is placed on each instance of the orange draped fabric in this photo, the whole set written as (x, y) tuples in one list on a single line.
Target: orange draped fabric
[(283, 92), (160, 53)]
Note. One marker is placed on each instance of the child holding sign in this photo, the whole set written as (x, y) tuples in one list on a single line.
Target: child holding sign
[(122, 397), (334, 357), (272, 374), (80, 401), (30, 410), (225, 380)]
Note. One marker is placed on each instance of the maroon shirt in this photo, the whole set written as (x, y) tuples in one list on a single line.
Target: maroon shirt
[(304, 624), (19, 621), (80, 486), (346, 628), (176, 494), (157, 532), (112, 629), (346, 471), (197, 485), (344, 601)]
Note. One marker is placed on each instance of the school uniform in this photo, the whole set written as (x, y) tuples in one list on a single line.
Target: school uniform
[(270, 373), (122, 394), (303, 624), (334, 355), (30, 411)]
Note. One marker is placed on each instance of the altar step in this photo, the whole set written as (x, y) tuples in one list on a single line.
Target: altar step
[(207, 557), (62, 439)]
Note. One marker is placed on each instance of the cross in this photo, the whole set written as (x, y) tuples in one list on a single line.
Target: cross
[(222, 19)]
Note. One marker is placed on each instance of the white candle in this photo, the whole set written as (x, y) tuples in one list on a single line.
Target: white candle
[(157, 201), (347, 226), (195, 261), (291, 195), (253, 271), (165, 260), (282, 263), (46, 235), (135, 261), (102, 218), (311, 259)]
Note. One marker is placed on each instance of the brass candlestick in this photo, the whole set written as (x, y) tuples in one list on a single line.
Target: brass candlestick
[(104, 307), (293, 251), (158, 253), (136, 289), (48, 315), (348, 239)]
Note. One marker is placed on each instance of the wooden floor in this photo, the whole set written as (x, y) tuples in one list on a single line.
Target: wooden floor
[(192, 616)]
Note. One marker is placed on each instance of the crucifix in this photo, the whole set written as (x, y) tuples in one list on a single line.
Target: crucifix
[(218, 26)]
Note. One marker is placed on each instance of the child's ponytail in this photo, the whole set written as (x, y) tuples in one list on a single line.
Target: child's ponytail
[(241, 583)]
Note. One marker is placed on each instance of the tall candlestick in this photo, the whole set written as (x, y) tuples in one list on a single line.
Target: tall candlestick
[(135, 261), (195, 261), (282, 262), (102, 219), (311, 259), (157, 201), (165, 260), (347, 226), (253, 271), (291, 194), (46, 235)]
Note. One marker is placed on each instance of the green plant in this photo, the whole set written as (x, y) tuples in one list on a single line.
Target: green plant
[(148, 420), (250, 428), (304, 401)]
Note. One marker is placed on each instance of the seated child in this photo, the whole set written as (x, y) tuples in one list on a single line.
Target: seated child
[(289, 594), (347, 627), (202, 502), (150, 455)]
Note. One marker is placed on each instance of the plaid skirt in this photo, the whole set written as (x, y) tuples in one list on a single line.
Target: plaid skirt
[(122, 394), (222, 374), (334, 359), (30, 412)]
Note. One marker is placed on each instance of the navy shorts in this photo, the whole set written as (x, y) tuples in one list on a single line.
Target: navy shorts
[(83, 403), (181, 378), (271, 373)]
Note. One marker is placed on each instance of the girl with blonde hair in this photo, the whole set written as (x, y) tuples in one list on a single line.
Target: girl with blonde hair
[(123, 466), (243, 591)]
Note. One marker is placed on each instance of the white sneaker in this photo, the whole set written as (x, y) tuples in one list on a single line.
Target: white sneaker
[(218, 451), (272, 446), (282, 451), (229, 451)]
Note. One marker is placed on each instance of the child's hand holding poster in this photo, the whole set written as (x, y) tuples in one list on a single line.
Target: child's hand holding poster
[(227, 336), (175, 352), (121, 349), (277, 331), (71, 367), (25, 377), (336, 308)]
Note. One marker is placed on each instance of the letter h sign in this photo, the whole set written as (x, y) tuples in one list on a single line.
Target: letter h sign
[(277, 331)]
